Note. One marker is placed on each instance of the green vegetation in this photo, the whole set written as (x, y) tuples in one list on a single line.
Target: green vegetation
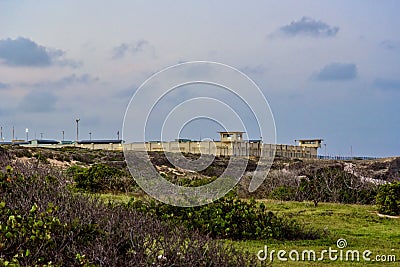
[(388, 199), (321, 184), (358, 224), (81, 212), (230, 218), (42, 223), (101, 178)]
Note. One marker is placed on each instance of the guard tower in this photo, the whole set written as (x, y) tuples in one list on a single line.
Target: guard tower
[(314, 143), (229, 137)]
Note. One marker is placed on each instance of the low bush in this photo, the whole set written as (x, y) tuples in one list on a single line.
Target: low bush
[(43, 224), (229, 218), (325, 184), (283, 193), (388, 199), (101, 178)]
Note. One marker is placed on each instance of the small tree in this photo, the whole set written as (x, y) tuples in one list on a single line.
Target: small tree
[(388, 199)]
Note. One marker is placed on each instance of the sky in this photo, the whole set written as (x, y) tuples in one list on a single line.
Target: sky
[(328, 69)]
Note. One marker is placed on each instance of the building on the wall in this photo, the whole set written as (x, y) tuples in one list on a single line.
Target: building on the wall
[(231, 137), (315, 143)]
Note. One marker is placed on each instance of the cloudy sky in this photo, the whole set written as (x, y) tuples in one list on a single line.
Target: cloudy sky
[(329, 69)]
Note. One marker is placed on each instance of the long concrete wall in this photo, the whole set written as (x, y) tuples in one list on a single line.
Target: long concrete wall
[(206, 147), (227, 149)]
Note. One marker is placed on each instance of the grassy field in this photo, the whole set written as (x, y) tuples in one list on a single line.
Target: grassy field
[(359, 225)]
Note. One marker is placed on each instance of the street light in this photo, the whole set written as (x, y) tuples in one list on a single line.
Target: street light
[(62, 135), (77, 130), (27, 132), (90, 136)]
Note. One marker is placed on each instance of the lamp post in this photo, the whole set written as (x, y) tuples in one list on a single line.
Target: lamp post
[(325, 150), (77, 130), (62, 135), (41, 136), (27, 132), (90, 136)]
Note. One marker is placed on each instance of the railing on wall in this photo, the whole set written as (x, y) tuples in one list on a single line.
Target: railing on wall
[(345, 157)]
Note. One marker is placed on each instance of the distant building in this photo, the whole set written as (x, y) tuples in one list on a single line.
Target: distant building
[(100, 142), (43, 142), (66, 142), (19, 142), (314, 143), (228, 137)]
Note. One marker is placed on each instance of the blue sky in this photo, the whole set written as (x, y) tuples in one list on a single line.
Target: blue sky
[(329, 69)]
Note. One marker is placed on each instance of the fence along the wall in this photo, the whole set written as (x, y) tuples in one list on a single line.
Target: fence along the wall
[(227, 149)]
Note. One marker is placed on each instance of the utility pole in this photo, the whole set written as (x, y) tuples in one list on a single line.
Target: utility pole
[(1, 132), (27, 132), (62, 135), (118, 135), (90, 136), (13, 138), (77, 130), (41, 136)]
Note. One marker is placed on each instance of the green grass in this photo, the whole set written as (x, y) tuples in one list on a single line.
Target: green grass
[(358, 224)]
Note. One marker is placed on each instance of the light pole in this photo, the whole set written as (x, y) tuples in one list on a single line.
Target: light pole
[(41, 136), (325, 150), (118, 135), (62, 135), (90, 136), (77, 130), (27, 132)]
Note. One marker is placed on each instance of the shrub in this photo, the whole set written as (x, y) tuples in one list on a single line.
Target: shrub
[(229, 218), (322, 184), (283, 193), (388, 199), (101, 178), (42, 224)]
